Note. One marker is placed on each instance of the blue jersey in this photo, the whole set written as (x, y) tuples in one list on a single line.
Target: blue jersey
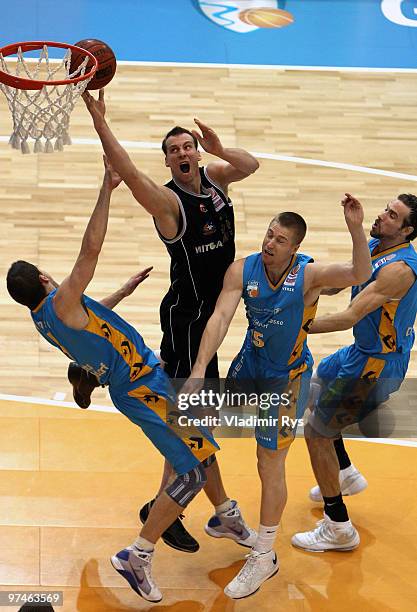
[(108, 346), (388, 329), (278, 319)]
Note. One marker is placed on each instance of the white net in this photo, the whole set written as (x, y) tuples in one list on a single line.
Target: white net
[(44, 114)]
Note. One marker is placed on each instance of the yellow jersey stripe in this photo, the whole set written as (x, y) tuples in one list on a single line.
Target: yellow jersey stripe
[(388, 251), (308, 318), (120, 343), (387, 331)]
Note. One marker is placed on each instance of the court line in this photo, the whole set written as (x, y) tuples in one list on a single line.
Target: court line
[(111, 409), (48, 402), (279, 67), (138, 144)]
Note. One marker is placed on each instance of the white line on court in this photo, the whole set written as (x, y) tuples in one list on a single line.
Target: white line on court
[(279, 67), (59, 396), (139, 144), (98, 408), (48, 402)]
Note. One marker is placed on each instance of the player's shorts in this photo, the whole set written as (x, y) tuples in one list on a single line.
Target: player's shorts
[(181, 341), (282, 396), (150, 404), (353, 384)]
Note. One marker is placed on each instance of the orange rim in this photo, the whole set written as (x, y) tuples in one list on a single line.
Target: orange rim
[(22, 83)]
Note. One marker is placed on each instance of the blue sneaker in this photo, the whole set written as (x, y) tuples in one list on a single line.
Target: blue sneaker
[(230, 524), (135, 566)]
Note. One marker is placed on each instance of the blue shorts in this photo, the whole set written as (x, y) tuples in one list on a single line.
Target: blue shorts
[(282, 395), (150, 404), (353, 384)]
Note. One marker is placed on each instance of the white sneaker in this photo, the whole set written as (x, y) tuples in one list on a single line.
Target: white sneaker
[(135, 565), (258, 568), (328, 535), (350, 484), (230, 524)]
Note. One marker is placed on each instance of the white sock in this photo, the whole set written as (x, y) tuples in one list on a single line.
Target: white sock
[(224, 507), (266, 538), (348, 471), (144, 544)]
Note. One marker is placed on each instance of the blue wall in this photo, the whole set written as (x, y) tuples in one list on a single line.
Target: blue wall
[(324, 32)]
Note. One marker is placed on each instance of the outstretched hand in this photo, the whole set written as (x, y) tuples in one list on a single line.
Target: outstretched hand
[(208, 138), (96, 108), (114, 179), (135, 280), (353, 211)]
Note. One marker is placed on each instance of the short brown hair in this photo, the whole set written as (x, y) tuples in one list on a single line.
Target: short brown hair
[(293, 221), (176, 131)]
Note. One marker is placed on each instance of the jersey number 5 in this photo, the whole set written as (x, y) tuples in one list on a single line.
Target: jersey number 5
[(257, 339)]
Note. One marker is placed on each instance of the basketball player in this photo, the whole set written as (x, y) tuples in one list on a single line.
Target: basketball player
[(112, 351), (193, 216), (356, 379), (280, 288)]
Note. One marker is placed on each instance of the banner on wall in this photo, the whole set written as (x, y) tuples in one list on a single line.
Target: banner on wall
[(245, 16), (400, 12)]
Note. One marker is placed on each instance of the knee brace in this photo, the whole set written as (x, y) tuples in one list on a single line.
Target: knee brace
[(186, 486), (316, 385), (209, 461)]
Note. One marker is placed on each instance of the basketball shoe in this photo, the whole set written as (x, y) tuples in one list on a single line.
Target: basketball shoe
[(83, 384), (258, 568), (328, 535), (176, 535), (230, 524), (135, 565), (351, 483)]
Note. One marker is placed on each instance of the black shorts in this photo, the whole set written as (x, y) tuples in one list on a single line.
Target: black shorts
[(180, 343)]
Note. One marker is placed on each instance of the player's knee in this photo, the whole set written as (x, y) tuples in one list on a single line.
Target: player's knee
[(186, 486), (316, 385)]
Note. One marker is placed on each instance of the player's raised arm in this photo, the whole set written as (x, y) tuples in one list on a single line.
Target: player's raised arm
[(218, 324), (392, 283), (69, 292), (354, 272), (237, 164), (158, 201)]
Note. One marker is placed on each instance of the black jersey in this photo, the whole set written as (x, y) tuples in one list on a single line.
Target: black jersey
[(200, 255), (203, 248)]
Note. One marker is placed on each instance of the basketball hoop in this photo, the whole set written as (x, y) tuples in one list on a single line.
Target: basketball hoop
[(41, 96)]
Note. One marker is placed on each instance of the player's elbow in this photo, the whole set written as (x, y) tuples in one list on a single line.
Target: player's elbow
[(254, 166), (221, 320), (250, 166), (361, 276)]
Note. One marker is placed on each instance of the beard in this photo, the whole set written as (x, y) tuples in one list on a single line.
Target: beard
[(375, 231)]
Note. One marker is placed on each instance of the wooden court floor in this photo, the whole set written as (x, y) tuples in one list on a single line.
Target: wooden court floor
[(72, 480)]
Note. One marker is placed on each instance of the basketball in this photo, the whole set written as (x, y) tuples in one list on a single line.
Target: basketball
[(266, 17), (106, 62)]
